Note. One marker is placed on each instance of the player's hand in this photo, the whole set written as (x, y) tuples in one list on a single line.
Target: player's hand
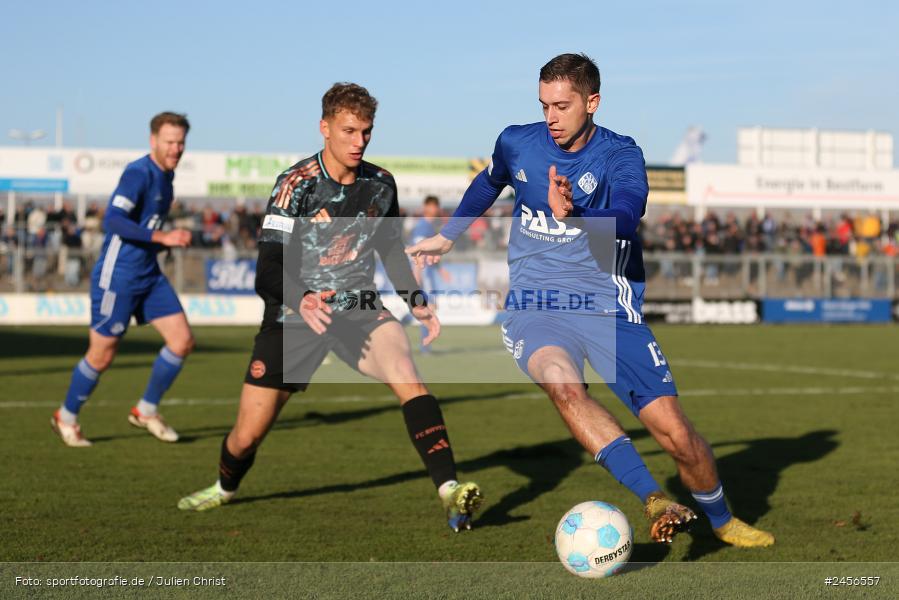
[(176, 238), (289, 184), (315, 310), (559, 197), (427, 317), (428, 251)]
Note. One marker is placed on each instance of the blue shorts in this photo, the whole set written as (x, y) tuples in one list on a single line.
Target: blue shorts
[(634, 362), (111, 310)]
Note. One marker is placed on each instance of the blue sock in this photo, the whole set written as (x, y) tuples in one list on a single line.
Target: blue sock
[(165, 368), (621, 460), (84, 380), (714, 506)]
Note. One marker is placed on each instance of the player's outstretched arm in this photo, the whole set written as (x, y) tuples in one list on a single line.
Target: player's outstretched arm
[(478, 198), (176, 238), (429, 250)]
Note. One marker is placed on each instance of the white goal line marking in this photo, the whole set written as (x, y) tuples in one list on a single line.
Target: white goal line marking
[(711, 364)]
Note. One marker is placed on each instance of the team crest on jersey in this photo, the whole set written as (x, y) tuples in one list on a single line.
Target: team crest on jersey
[(519, 349), (587, 182), (257, 369)]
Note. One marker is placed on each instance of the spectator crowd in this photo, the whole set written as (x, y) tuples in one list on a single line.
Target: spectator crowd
[(235, 229)]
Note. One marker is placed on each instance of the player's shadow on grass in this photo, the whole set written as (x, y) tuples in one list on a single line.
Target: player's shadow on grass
[(119, 366), (24, 344), (545, 465), (750, 476), (315, 418)]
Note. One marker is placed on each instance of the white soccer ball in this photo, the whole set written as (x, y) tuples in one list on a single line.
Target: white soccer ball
[(594, 539)]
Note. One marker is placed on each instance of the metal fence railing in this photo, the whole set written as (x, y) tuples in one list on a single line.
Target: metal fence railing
[(668, 275)]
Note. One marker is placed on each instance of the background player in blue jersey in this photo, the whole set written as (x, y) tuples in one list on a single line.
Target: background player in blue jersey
[(568, 174), (426, 275), (127, 282)]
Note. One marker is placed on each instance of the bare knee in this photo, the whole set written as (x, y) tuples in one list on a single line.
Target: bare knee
[(100, 358), (404, 372), (182, 346), (565, 394), (242, 442), (684, 444)]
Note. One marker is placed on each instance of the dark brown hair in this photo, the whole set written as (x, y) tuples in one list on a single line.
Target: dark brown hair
[(351, 97), (579, 69), (169, 118)]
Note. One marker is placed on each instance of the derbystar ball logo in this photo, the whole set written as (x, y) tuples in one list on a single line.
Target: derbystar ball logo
[(598, 560)]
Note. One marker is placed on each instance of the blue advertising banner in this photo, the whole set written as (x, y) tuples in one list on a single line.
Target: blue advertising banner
[(34, 185), (820, 310), (231, 276)]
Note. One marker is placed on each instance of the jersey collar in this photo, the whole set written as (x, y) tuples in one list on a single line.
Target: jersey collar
[(321, 164), (557, 151), (169, 174)]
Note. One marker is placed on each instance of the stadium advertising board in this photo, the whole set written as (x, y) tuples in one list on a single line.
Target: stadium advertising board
[(75, 309), (667, 185), (748, 186), (818, 310), (738, 312), (231, 276), (93, 171), (34, 185)]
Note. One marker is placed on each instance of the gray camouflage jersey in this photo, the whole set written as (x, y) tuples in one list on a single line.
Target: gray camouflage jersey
[(338, 255)]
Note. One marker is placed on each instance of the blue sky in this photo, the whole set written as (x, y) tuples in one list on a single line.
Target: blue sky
[(449, 75)]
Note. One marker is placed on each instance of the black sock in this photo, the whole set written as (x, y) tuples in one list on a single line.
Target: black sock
[(232, 469), (424, 422)]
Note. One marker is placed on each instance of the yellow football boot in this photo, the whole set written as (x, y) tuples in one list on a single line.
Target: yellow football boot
[(737, 533)]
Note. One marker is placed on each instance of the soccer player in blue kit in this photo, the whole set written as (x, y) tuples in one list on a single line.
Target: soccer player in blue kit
[(540, 161), (127, 281), (426, 275)]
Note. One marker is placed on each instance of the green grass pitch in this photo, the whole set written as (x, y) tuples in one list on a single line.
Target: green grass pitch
[(803, 421)]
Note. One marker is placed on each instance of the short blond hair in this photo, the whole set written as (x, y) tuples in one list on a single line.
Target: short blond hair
[(351, 97)]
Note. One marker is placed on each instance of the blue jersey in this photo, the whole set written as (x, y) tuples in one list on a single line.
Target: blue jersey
[(422, 229), (608, 179), (143, 196)]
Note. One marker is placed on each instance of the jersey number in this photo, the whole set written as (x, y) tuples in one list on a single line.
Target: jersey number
[(657, 357)]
